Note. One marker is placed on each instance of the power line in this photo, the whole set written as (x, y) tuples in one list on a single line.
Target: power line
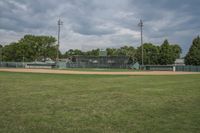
[(141, 25), (59, 25)]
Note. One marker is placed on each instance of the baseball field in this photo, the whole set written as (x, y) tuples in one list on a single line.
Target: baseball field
[(93, 103)]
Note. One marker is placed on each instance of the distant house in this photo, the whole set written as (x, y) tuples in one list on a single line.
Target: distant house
[(65, 60), (179, 62)]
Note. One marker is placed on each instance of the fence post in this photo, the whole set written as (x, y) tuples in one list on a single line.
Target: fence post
[(174, 68)]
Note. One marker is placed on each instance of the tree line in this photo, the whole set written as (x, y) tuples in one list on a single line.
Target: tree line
[(32, 48), (152, 54)]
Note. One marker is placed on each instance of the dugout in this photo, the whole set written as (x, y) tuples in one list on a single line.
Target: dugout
[(42, 65)]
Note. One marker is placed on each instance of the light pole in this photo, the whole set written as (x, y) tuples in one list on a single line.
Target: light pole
[(1, 53), (59, 25), (141, 25)]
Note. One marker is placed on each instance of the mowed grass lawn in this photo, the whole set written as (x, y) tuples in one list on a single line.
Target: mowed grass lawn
[(50, 103)]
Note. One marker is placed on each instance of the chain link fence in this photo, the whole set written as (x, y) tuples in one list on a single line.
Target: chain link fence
[(188, 68), (96, 62), (172, 68), (89, 63), (158, 68), (27, 65), (12, 64)]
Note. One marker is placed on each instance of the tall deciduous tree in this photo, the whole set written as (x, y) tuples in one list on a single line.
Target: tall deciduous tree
[(10, 52), (94, 52), (73, 52), (112, 51), (123, 51), (40, 47), (169, 53), (176, 51), (193, 56), (127, 51), (150, 54), (30, 48), (165, 51)]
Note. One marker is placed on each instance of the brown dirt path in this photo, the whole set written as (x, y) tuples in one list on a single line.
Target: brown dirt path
[(94, 73)]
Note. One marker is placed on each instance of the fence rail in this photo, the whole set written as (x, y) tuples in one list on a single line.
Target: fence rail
[(158, 68), (188, 68), (172, 68), (13, 64), (91, 65)]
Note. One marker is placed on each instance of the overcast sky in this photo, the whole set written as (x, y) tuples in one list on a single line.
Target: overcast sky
[(101, 23)]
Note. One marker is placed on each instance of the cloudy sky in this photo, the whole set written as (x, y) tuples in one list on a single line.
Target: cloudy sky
[(101, 23)]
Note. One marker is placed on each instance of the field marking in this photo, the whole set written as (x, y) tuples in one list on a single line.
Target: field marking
[(53, 71)]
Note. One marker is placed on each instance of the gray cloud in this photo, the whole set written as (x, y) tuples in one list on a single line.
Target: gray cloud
[(100, 24)]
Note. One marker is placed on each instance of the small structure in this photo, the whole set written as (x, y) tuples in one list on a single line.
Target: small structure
[(179, 62), (136, 66), (43, 65)]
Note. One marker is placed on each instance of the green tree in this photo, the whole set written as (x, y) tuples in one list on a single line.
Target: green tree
[(39, 47), (127, 51), (123, 51), (169, 53), (165, 51), (15, 52), (94, 52), (73, 52), (111, 52), (10, 52), (150, 54), (176, 51), (30, 48), (193, 56)]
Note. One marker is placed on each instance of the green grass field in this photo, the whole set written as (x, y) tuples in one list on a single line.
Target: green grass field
[(50, 103)]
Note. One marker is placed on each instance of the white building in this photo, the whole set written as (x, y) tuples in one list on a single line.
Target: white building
[(179, 62)]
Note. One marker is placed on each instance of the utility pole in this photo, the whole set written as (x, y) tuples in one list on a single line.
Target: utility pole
[(1, 53), (59, 25), (141, 25)]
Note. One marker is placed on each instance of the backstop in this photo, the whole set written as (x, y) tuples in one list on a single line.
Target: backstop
[(96, 62)]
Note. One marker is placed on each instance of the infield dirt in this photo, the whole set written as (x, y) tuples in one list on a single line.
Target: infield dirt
[(53, 71)]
